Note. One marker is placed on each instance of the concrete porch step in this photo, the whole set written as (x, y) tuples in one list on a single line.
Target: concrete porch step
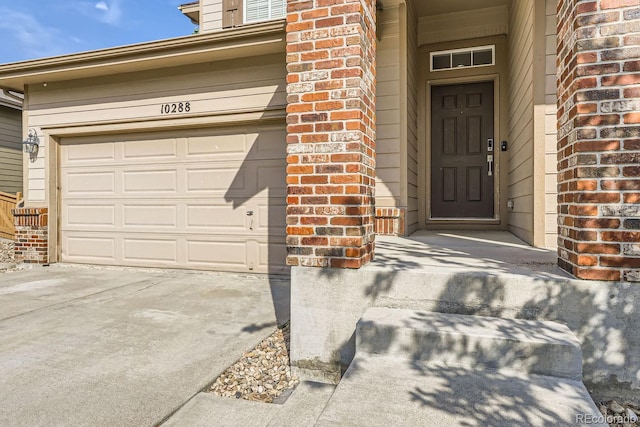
[(422, 368), (387, 391), (538, 347)]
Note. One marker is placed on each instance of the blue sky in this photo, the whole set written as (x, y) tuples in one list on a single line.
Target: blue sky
[(31, 29)]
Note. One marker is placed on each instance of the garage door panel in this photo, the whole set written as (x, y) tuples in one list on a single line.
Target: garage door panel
[(89, 182), (89, 249), (176, 201), (253, 177), (209, 179), (267, 143), (154, 216), (273, 255), (151, 149), (272, 176), (271, 218), (150, 250), (217, 254), (98, 152), (199, 146), (220, 217), (150, 181), (90, 215)]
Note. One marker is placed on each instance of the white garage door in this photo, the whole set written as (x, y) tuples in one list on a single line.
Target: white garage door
[(198, 199)]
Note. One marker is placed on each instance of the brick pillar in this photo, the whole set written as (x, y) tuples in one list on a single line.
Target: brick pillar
[(331, 67), (32, 235), (599, 139)]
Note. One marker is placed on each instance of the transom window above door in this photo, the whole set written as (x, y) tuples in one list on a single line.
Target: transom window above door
[(264, 10), (480, 56)]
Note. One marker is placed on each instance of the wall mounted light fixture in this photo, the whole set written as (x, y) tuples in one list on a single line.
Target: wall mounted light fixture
[(31, 144)]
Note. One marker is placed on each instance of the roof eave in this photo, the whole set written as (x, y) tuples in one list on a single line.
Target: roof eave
[(227, 44), (10, 104), (191, 11)]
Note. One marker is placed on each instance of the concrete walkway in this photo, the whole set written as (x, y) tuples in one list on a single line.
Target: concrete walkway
[(301, 409), (126, 347), (450, 252)]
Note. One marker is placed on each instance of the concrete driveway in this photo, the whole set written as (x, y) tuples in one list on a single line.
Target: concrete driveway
[(106, 346)]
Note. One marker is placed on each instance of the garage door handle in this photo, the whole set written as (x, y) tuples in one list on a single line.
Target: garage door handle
[(250, 213)]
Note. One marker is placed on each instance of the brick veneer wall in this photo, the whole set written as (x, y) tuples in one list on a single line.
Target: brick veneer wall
[(599, 138), (390, 221), (32, 235), (331, 76)]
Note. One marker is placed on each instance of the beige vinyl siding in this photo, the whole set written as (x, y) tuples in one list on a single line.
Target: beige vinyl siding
[(551, 169), (211, 19), (396, 111), (212, 89), (35, 179), (388, 111), (521, 126), (412, 117), (10, 150)]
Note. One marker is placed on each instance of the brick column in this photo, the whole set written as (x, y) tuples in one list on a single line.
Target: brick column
[(599, 139), (331, 67), (32, 235)]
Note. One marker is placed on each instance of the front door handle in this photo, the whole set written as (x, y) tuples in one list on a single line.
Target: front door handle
[(490, 164)]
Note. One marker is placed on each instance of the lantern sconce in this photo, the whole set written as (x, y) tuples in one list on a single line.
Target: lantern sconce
[(31, 144)]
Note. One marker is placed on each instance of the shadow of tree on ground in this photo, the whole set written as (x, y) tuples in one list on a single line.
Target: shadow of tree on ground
[(605, 317)]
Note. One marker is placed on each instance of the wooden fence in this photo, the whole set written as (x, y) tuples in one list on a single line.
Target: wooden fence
[(7, 204)]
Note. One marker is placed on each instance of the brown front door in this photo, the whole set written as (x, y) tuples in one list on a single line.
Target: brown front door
[(461, 175)]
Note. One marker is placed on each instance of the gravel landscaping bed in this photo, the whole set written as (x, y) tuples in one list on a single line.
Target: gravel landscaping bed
[(6, 251), (262, 374), (620, 414)]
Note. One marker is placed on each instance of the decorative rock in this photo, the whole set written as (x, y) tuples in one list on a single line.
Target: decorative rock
[(261, 374), (620, 415), (6, 251), (616, 407)]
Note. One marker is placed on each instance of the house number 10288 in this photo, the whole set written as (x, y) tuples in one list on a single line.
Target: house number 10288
[(175, 107)]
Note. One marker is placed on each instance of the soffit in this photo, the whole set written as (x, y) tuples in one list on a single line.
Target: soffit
[(468, 24), (439, 7), (239, 42)]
